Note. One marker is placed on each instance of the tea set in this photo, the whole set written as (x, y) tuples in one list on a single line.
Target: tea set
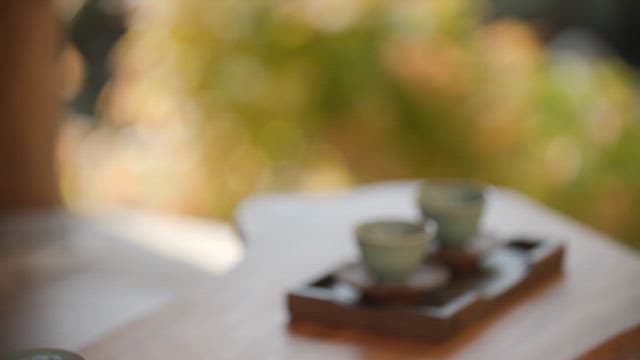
[(401, 259)]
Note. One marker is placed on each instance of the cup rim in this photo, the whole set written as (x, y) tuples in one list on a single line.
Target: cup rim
[(448, 207), (428, 227), (68, 355)]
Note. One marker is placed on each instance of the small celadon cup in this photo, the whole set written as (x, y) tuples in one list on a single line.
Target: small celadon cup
[(393, 249), (43, 354), (456, 205)]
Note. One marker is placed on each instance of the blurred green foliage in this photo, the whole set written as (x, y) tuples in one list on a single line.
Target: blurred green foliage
[(214, 100)]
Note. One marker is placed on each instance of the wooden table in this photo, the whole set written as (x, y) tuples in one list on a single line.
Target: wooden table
[(292, 238)]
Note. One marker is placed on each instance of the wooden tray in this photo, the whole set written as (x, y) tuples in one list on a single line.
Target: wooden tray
[(508, 269)]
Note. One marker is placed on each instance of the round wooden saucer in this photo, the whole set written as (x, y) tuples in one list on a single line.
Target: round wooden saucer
[(469, 257), (430, 276)]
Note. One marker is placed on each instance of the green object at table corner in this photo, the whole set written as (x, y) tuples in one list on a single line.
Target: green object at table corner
[(43, 354)]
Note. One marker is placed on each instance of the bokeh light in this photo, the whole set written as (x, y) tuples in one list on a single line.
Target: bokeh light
[(214, 100)]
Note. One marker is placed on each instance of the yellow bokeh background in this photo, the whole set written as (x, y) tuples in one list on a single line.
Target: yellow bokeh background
[(214, 100)]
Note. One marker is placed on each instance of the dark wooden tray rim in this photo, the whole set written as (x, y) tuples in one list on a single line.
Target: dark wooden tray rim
[(509, 269)]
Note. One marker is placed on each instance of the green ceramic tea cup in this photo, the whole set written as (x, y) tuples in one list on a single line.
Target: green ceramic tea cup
[(43, 354), (456, 205), (393, 249)]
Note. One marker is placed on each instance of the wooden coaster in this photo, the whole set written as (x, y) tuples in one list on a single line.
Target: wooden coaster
[(469, 257), (430, 276)]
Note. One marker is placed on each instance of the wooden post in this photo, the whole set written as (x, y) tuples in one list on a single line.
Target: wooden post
[(29, 40)]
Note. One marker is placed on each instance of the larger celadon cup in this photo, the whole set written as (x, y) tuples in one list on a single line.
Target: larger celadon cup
[(456, 205), (393, 249)]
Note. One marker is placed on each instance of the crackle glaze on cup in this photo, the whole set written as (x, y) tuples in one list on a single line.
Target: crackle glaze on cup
[(456, 205), (393, 249)]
